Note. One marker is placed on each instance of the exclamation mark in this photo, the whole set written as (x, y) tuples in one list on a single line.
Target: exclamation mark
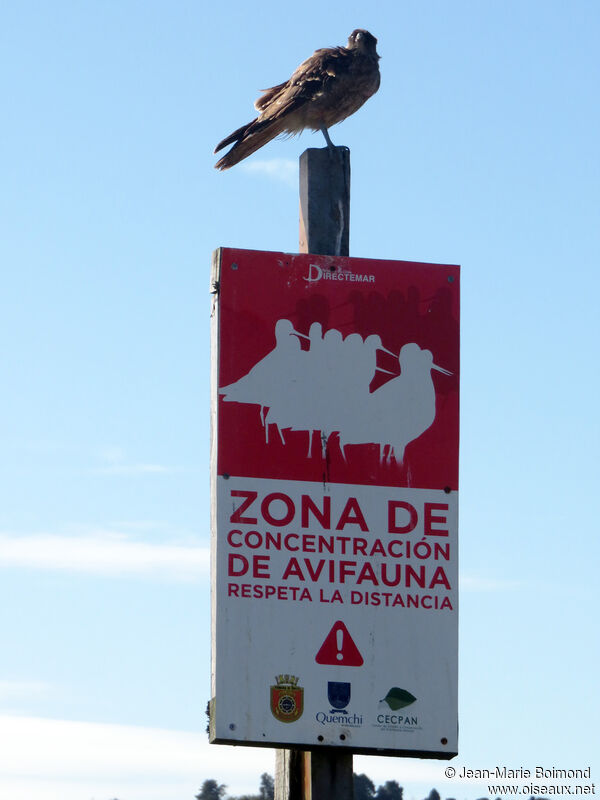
[(339, 638)]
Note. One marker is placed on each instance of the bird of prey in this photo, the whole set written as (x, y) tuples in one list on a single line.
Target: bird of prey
[(325, 89)]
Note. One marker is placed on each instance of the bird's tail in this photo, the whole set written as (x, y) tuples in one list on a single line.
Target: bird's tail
[(246, 140)]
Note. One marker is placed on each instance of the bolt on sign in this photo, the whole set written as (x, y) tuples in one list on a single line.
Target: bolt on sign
[(334, 478)]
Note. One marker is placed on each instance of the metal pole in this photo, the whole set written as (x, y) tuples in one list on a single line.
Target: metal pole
[(324, 774)]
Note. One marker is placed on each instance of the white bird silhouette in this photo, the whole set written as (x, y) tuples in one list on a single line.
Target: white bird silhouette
[(408, 401), (256, 386), (326, 389)]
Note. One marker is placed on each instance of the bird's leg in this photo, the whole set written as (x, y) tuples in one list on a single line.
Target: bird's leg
[(330, 144), (324, 437), (343, 451)]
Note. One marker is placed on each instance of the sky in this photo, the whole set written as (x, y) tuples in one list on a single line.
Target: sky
[(480, 149)]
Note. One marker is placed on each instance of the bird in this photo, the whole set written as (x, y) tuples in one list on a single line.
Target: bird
[(325, 89), (253, 387), (408, 400)]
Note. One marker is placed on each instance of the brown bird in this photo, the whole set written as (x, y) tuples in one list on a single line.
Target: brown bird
[(325, 89)]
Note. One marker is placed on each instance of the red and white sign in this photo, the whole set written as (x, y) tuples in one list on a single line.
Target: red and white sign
[(335, 484)]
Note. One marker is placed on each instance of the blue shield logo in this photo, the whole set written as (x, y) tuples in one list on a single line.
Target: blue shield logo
[(338, 695)]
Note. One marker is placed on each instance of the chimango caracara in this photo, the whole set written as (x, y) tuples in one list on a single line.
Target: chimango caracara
[(325, 89)]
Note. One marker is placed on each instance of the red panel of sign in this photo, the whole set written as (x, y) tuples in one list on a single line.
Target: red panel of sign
[(361, 350)]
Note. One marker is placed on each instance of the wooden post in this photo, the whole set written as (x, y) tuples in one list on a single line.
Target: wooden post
[(325, 201), (324, 774)]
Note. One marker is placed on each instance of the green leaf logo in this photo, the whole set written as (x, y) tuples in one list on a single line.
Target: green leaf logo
[(398, 698)]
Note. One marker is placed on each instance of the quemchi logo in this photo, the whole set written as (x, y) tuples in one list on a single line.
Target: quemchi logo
[(287, 698), (335, 273), (338, 694), (396, 699)]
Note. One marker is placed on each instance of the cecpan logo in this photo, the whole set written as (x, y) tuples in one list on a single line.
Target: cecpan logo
[(397, 699)]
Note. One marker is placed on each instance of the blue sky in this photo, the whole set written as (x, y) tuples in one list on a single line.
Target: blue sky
[(481, 148)]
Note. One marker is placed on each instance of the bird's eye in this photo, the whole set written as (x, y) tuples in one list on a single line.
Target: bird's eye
[(358, 36)]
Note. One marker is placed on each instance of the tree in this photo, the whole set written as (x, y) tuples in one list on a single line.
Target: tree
[(244, 797), (434, 795), (391, 790), (364, 788), (266, 789), (211, 790)]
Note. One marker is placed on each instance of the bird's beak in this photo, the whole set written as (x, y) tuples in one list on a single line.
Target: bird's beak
[(389, 352), (387, 372)]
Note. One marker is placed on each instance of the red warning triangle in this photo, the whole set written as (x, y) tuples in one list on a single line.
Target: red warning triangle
[(339, 649)]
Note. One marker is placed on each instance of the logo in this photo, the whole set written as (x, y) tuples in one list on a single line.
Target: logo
[(336, 273), (287, 698), (395, 699), (338, 695), (398, 698)]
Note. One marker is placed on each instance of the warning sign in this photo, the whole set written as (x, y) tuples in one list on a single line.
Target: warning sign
[(334, 479), (339, 649)]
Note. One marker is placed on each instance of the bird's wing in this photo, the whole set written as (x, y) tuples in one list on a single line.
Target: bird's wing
[(267, 95), (308, 81)]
